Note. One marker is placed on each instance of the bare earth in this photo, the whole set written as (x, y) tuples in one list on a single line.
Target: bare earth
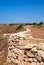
[(37, 32)]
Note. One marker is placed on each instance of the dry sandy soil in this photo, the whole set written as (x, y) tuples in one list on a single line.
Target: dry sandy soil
[(37, 32)]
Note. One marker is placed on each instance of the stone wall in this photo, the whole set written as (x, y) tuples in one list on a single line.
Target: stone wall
[(23, 49)]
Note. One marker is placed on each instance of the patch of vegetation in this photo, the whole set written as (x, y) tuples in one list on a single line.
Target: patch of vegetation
[(20, 28), (1, 62), (11, 24), (40, 24), (3, 41)]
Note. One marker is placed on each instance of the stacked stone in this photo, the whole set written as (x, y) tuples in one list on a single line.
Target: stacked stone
[(35, 55), (22, 52), (15, 51)]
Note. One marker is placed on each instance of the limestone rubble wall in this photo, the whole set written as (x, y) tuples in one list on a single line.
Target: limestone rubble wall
[(23, 49)]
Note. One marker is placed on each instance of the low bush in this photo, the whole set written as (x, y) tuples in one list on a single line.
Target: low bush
[(20, 28)]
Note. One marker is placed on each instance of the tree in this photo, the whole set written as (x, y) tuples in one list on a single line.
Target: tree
[(41, 23), (34, 23)]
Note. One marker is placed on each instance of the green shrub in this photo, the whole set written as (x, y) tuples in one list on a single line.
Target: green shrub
[(20, 28), (41, 23)]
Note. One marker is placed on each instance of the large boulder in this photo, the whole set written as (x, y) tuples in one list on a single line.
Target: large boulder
[(41, 54), (30, 45), (29, 54), (33, 63), (39, 59), (29, 59), (34, 50), (40, 46)]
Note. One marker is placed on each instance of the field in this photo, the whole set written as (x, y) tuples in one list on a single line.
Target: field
[(37, 32)]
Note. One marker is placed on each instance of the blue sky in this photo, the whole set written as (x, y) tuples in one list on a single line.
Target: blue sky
[(21, 11)]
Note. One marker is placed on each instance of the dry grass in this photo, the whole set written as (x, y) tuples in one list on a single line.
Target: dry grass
[(3, 49)]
